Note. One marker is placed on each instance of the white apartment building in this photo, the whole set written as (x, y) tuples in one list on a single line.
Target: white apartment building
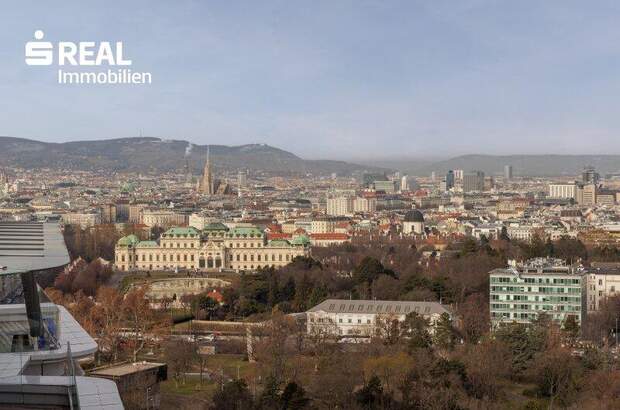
[(340, 206), (364, 205), (361, 317), (520, 232), (601, 284), (163, 218), (488, 231), (83, 219), (323, 225), (564, 191), (199, 221)]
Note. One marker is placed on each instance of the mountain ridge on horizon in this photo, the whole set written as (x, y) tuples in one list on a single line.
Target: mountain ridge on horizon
[(146, 153)]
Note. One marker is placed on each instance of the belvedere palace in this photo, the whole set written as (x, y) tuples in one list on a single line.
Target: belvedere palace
[(215, 247)]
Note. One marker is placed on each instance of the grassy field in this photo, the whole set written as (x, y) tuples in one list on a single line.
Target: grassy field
[(192, 394)]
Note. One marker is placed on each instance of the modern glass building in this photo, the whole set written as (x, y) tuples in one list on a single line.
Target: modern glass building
[(40, 342), (520, 292)]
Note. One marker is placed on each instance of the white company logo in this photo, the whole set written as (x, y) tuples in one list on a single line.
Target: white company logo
[(84, 54)]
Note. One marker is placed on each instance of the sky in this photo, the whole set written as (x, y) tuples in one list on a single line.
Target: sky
[(329, 79)]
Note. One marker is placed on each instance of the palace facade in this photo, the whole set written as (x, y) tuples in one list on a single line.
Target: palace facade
[(215, 247)]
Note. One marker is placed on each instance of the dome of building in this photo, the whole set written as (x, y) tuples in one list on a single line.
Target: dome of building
[(414, 216)]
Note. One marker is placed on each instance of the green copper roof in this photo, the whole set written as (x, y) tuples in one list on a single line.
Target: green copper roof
[(215, 226), (147, 244), (249, 231), (302, 240), (129, 240), (279, 243), (181, 232)]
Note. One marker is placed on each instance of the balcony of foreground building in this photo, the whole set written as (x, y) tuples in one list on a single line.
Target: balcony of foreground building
[(40, 342)]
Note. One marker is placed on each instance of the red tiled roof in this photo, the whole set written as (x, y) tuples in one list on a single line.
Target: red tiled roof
[(215, 295), (274, 228), (330, 236)]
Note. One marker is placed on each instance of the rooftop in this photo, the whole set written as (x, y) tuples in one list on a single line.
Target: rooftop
[(379, 306), (29, 246), (125, 369)]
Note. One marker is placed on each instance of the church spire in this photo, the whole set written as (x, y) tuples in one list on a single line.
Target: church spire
[(206, 184)]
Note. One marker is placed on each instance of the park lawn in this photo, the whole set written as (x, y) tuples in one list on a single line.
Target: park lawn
[(190, 387), (229, 364)]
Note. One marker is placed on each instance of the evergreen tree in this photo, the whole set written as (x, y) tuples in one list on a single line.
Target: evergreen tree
[(371, 395), (287, 293), (416, 327), (319, 294), (302, 293), (293, 397), (444, 332), (233, 396), (270, 398)]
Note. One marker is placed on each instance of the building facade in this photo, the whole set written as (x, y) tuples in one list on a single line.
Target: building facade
[(521, 292), (364, 205), (564, 191), (342, 317), (215, 247), (473, 182), (340, 206), (601, 284)]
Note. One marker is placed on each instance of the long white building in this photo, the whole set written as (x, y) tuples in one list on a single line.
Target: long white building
[(563, 191), (360, 317)]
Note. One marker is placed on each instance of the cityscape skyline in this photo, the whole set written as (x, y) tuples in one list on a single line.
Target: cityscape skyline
[(342, 81)]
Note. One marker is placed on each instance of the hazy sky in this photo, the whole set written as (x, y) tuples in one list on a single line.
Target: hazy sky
[(330, 79)]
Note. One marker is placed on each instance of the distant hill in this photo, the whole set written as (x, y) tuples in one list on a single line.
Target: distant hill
[(523, 165), (154, 154)]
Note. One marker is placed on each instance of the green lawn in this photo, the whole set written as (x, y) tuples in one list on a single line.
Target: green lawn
[(190, 387), (228, 363)]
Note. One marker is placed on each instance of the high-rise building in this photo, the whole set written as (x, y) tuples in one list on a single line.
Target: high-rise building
[(586, 195), (473, 181), (449, 181), (507, 173), (4, 183), (389, 187), (340, 206), (364, 205), (589, 175), (206, 185), (563, 191), (433, 176), (458, 174), (404, 183), (242, 179)]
